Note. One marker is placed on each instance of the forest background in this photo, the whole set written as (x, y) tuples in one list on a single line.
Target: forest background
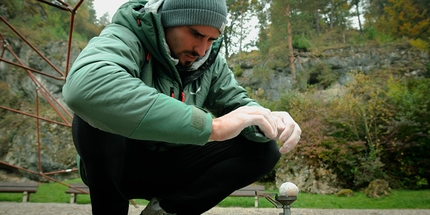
[(377, 127)]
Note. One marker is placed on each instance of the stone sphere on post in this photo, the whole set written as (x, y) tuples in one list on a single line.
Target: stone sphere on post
[(288, 189)]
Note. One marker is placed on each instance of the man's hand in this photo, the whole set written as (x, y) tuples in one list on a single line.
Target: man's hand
[(288, 131), (231, 124), (277, 125)]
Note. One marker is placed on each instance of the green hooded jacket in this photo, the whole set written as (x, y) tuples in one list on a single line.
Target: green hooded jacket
[(123, 82)]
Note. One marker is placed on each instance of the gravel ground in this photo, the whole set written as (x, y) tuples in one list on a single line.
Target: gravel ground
[(13, 208)]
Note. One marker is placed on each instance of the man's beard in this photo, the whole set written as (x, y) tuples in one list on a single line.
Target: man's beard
[(187, 64)]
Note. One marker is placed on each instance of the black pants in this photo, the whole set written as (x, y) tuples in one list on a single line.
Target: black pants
[(188, 180)]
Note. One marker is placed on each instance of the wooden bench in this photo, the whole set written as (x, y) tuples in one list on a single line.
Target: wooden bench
[(255, 191), (81, 189), (19, 187)]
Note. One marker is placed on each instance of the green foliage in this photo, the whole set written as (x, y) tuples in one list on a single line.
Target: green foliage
[(41, 23), (319, 76), (10, 100), (301, 43), (408, 18), (428, 68), (398, 199), (377, 188), (86, 22), (370, 129), (378, 36), (372, 33), (362, 115), (302, 79), (263, 73), (408, 135), (317, 148), (322, 75), (345, 192), (420, 44), (369, 168), (237, 70)]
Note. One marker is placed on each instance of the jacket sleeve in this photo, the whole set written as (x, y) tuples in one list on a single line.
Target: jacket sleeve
[(226, 95), (104, 88)]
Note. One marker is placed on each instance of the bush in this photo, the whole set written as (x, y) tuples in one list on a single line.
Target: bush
[(345, 192), (380, 37), (237, 70), (377, 188), (301, 43), (407, 141), (378, 127), (322, 75)]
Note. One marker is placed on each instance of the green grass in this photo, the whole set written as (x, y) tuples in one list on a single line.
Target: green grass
[(399, 199)]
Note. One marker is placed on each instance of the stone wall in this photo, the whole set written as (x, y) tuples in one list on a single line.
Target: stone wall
[(402, 58)]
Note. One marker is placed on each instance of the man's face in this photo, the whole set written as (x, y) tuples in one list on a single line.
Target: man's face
[(187, 43)]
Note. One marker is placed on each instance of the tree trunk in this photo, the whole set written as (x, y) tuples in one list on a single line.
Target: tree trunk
[(332, 14), (290, 43), (358, 16), (317, 21), (226, 42), (241, 36)]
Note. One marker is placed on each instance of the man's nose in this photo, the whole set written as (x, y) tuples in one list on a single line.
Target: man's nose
[(201, 48)]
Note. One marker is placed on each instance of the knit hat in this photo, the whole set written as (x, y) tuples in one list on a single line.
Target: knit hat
[(194, 12)]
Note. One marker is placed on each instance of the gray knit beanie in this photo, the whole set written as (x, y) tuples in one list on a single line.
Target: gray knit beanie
[(194, 12)]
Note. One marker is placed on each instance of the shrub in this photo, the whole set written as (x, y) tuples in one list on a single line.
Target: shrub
[(237, 70), (345, 192), (301, 43), (377, 129), (377, 188), (407, 140), (322, 75)]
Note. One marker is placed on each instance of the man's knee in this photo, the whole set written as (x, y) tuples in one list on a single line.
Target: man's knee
[(266, 155)]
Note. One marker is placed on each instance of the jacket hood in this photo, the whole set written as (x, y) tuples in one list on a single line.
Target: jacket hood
[(153, 6), (145, 23), (143, 19)]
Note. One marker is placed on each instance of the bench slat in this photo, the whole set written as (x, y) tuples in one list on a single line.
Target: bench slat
[(243, 193), (19, 187), (74, 192), (253, 187), (255, 191), (249, 190)]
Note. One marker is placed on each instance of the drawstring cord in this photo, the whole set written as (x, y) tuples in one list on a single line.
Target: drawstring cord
[(172, 94)]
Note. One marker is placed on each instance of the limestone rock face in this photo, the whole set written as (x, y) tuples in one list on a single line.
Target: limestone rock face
[(317, 181), (275, 80), (19, 139)]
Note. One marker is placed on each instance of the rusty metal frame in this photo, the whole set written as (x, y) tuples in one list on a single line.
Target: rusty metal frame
[(61, 111)]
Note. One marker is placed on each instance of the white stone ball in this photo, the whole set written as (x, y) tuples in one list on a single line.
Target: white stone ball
[(288, 189)]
